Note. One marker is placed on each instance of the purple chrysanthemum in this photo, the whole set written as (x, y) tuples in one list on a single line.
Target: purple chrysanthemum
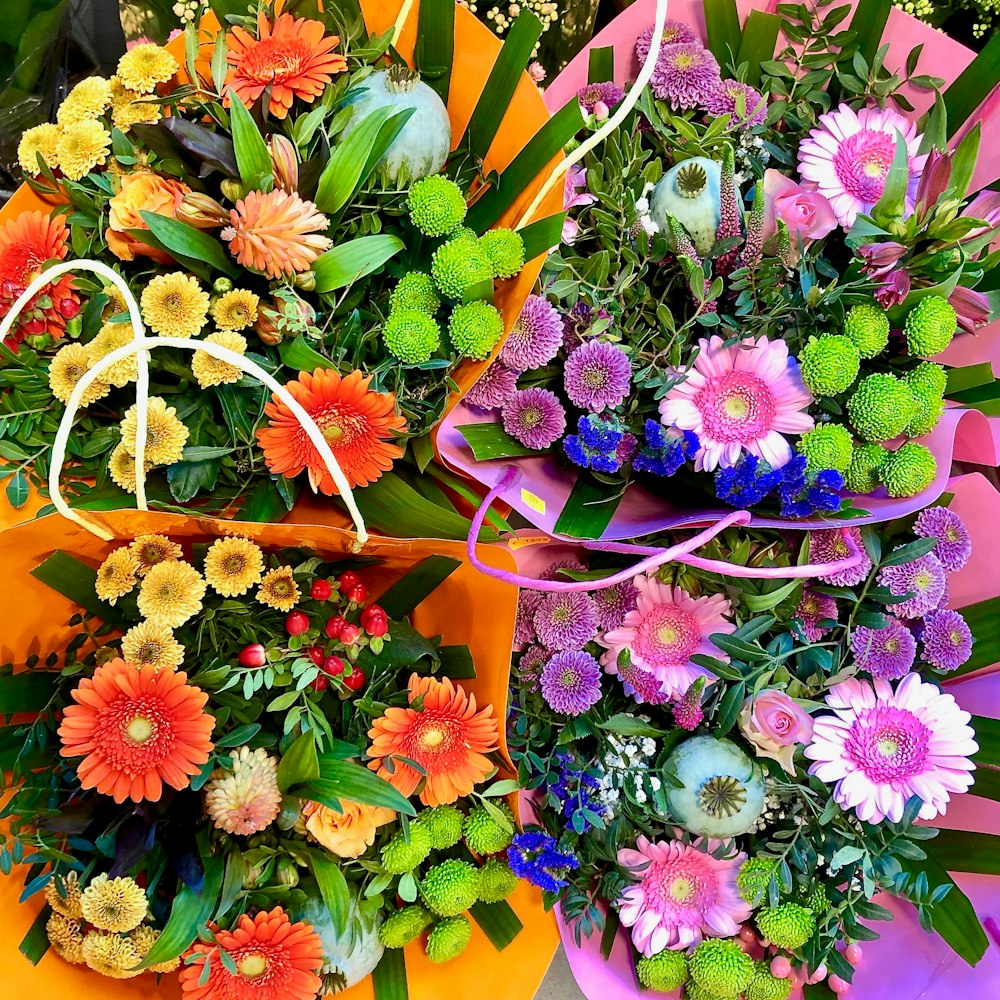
[(614, 603), (535, 337), (554, 570), (673, 33), (953, 545), (565, 621), (597, 375), (947, 640), (493, 388), (527, 605), (923, 578), (741, 102), (644, 686), (571, 682), (829, 545), (534, 417), (529, 667), (607, 93), (579, 323), (685, 74), (887, 653), (813, 609)]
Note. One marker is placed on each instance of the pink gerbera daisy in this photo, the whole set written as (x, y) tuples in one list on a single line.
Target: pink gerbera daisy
[(744, 397), (666, 628), (882, 747), (682, 895), (849, 155)]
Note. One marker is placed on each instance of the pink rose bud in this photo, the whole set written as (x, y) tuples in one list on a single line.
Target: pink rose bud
[(807, 214), (775, 725), (600, 111)]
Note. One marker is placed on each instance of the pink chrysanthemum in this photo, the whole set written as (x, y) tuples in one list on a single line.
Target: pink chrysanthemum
[(887, 652), (830, 546), (673, 33), (534, 417), (740, 101), (614, 603), (597, 376), (527, 605), (685, 74), (529, 667), (924, 579), (881, 747), (952, 545), (813, 609), (683, 894), (608, 93), (849, 155), (666, 628), (571, 682), (565, 621), (554, 570), (744, 397), (493, 388), (947, 640), (535, 337)]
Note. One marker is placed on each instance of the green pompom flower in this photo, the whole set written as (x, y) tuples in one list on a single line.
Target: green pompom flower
[(928, 375), (505, 250), (908, 470), (475, 329), (816, 899), (484, 834), (449, 939), (788, 926), (862, 474), (415, 291), (437, 205), (868, 326), (443, 824), (827, 446), (404, 926), (753, 877), (400, 855), (930, 326), (721, 967), (496, 880), (663, 972), (829, 365), (927, 382), (451, 887), (881, 408), (692, 991), (411, 336), (765, 985), (458, 265)]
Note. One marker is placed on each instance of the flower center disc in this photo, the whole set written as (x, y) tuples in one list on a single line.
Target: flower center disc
[(862, 164), (681, 889), (736, 407), (252, 966), (139, 729), (667, 636)]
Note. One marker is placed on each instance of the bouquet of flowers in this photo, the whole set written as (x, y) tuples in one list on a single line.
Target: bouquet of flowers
[(724, 776), (765, 263), (244, 769), (290, 189)]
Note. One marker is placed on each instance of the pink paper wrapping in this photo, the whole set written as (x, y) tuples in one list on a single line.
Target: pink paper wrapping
[(545, 486)]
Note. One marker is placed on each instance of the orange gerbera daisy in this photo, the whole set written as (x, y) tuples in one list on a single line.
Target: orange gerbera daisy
[(293, 58), (274, 960), (356, 420), (277, 233), (27, 241), (447, 737), (135, 730)]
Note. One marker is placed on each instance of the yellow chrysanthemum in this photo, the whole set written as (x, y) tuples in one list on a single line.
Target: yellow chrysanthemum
[(128, 107), (171, 593), (114, 904), (88, 100), (144, 67), (67, 902), (111, 955), (121, 468), (153, 549), (211, 371), (116, 302), (66, 938), (246, 799), (235, 310), (152, 645), (40, 139), (81, 147), (174, 305), (233, 566), (117, 576), (278, 589), (144, 937), (66, 368), (110, 338), (165, 434)]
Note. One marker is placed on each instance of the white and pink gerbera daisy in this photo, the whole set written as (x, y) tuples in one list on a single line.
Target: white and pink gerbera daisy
[(849, 155), (744, 397), (666, 628), (882, 747), (683, 894)]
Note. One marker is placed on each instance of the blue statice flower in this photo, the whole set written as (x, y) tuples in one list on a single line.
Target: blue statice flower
[(577, 793), (535, 857), (598, 444), (750, 481), (747, 482), (664, 452)]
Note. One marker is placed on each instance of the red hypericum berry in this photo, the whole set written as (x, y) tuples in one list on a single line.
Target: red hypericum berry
[(296, 623), (316, 654), (68, 308), (333, 665), (350, 634), (334, 626), (320, 684), (34, 327), (321, 590), (348, 580), (358, 594), (254, 655), (355, 680), (374, 620), (7, 290)]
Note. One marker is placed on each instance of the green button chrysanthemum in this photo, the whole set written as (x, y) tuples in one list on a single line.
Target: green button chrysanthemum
[(753, 878), (765, 985), (415, 291), (868, 326), (829, 364), (411, 335), (451, 887), (827, 446), (475, 329), (721, 967), (908, 470), (881, 408), (402, 855), (663, 972), (862, 474), (437, 205), (505, 250), (930, 326), (458, 265), (449, 939), (788, 926), (443, 823), (496, 880), (398, 930), (484, 833), (927, 382)]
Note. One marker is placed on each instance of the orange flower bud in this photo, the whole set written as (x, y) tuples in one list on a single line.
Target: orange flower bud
[(284, 162), (202, 211)]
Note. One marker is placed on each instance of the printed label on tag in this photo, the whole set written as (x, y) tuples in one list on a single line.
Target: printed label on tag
[(535, 503), (522, 543)]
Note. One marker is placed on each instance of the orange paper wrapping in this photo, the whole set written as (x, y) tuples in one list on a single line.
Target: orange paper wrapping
[(469, 609), (476, 49)]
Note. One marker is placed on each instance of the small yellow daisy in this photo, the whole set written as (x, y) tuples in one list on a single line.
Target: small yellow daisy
[(116, 576), (174, 305), (66, 901), (153, 549), (40, 139), (110, 338), (209, 370), (165, 434), (171, 594), (278, 589), (144, 937), (116, 302), (66, 368), (66, 938), (146, 66), (111, 955), (153, 646), (121, 468), (233, 566), (81, 147), (114, 904), (87, 101), (128, 107), (235, 310)]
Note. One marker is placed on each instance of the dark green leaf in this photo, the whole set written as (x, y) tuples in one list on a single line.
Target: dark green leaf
[(498, 922), (541, 236), (490, 441), (389, 977), (629, 725), (909, 552), (723, 23), (252, 156), (729, 709), (17, 490), (972, 85), (962, 851), (76, 581), (935, 135), (187, 479), (345, 263), (988, 738), (457, 663), (189, 243), (435, 49), (589, 509), (27, 692), (421, 581), (601, 64), (297, 353), (345, 779), (332, 887), (760, 34), (868, 23), (35, 943), (299, 763)]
